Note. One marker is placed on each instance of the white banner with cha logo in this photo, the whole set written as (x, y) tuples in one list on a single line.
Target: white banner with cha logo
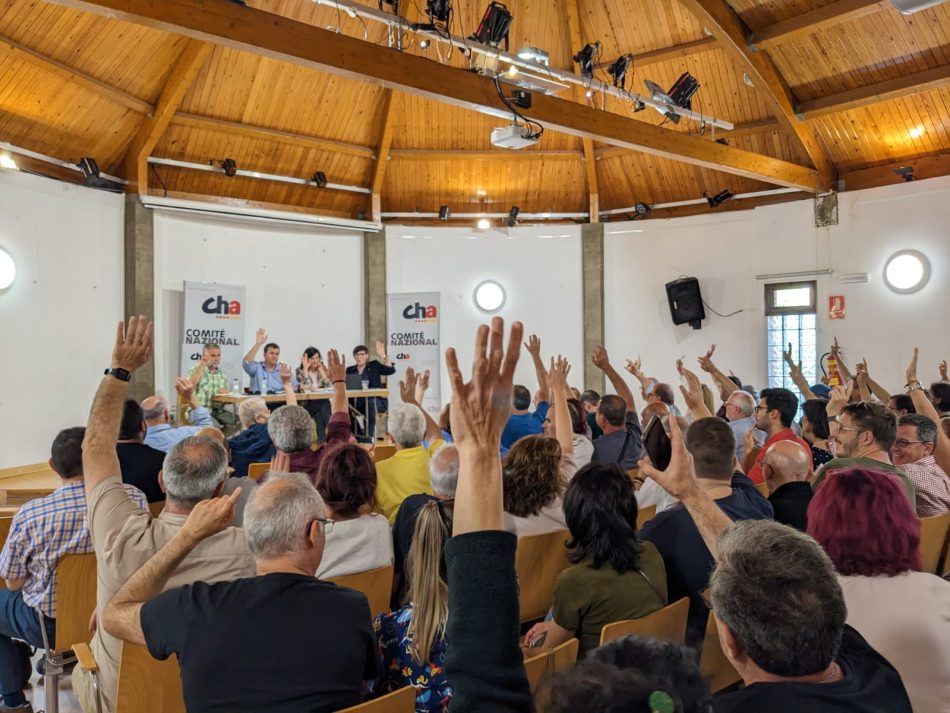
[(414, 340), (213, 313)]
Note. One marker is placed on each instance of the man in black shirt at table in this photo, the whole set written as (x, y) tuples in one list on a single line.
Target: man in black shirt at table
[(139, 464), (280, 641), (373, 372)]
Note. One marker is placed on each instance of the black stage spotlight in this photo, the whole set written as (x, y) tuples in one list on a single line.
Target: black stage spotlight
[(89, 168), (718, 199), (320, 178), (439, 10), (444, 213), (494, 26), (230, 167), (906, 172), (585, 58), (641, 209), (618, 70), (513, 216)]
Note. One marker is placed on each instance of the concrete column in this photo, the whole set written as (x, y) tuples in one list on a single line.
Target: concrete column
[(140, 281), (592, 261), (374, 288)]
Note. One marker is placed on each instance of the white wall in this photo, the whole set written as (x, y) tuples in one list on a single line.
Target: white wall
[(541, 275), (726, 251), (304, 287), (57, 320)]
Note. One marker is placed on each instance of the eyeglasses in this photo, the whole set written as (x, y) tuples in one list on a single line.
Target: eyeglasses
[(760, 407), (326, 522), (903, 442)]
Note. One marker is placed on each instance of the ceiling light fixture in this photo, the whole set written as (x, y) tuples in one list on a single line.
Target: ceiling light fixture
[(493, 29), (641, 209), (618, 70), (916, 132), (906, 172), (489, 296), (909, 7), (513, 216), (585, 58), (907, 271), (483, 224), (7, 269), (444, 213), (320, 179), (424, 44), (718, 199), (535, 54), (680, 94), (6, 161)]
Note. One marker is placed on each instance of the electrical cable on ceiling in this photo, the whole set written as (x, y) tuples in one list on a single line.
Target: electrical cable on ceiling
[(164, 186), (529, 123)]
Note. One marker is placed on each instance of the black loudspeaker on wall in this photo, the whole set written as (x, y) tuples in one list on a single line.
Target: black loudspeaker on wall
[(686, 302)]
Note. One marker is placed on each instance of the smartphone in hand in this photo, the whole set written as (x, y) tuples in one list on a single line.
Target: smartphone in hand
[(657, 444)]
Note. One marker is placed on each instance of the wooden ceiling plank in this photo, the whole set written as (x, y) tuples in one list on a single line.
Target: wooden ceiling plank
[(875, 93), (726, 26), (258, 32), (930, 166), (182, 76), (685, 49), (382, 153), (827, 16), (17, 51), (590, 160), (476, 155)]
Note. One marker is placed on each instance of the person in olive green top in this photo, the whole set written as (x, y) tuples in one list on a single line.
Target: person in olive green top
[(614, 576), (862, 435)]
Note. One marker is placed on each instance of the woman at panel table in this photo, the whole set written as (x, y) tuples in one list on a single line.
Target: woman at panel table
[(312, 376), (373, 372)]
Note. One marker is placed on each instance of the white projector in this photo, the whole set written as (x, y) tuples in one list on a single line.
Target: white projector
[(512, 137)]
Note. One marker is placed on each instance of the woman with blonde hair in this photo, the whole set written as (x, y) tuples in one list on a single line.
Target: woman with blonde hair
[(411, 640)]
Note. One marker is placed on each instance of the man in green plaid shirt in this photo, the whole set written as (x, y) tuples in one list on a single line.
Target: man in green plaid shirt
[(209, 379)]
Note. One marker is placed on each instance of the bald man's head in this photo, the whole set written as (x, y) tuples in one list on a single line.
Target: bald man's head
[(786, 461), (155, 410), (212, 432), (655, 408), (279, 516)]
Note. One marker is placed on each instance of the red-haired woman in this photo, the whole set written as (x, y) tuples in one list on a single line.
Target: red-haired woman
[(867, 526)]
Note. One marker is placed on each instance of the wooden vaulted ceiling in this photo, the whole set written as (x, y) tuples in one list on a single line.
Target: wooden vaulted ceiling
[(839, 86)]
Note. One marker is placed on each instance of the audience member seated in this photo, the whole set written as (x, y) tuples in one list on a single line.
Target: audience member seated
[(583, 447), (265, 375), (312, 375), (281, 640), (357, 539), (522, 422), (740, 413), (42, 531), (372, 372), (815, 431), (914, 453), (865, 524), (901, 405), (209, 379), (940, 396), (123, 535), (786, 467), (617, 418), (649, 492), (862, 437), (253, 444), (774, 415), (159, 434), (140, 464), (443, 476), (291, 430), (687, 559), (411, 639), (590, 399), (614, 576)]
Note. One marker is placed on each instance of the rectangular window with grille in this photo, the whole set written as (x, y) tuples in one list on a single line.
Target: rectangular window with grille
[(791, 320)]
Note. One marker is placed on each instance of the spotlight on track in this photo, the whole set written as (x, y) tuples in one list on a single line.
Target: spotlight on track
[(618, 70), (513, 216), (718, 199), (444, 213), (585, 58), (493, 29), (320, 179)]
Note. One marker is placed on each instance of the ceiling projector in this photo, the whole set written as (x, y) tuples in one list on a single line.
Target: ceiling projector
[(513, 137)]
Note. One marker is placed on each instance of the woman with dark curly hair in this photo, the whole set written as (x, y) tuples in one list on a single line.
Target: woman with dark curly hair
[(614, 576), (359, 539)]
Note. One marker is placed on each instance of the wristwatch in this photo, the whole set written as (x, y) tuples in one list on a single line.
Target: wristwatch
[(914, 387), (832, 419), (119, 373)]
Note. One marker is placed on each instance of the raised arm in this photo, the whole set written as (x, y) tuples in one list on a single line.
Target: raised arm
[(882, 394), (409, 392), (287, 379), (123, 615), (199, 370), (557, 383), (336, 373), (692, 392), (861, 377), (923, 406), (133, 347), (725, 384), (386, 367), (533, 345), (635, 368), (602, 361), (259, 339), (795, 372), (843, 369)]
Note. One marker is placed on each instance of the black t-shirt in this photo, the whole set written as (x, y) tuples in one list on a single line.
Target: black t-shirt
[(622, 447), (790, 504), (870, 685), (281, 642), (687, 559), (140, 465)]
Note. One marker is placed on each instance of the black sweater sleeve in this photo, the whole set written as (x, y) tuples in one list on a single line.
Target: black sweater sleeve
[(483, 661)]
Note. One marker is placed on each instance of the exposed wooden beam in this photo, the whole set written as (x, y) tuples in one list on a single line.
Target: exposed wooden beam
[(720, 19), (590, 160), (493, 154), (243, 203), (27, 164), (182, 76), (676, 51), (681, 211), (928, 166), (877, 92), (17, 51), (795, 27), (754, 127), (382, 153), (209, 123), (262, 33)]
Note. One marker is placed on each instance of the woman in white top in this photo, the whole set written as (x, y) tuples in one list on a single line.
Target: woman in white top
[(359, 540), (580, 441), (868, 527), (537, 468)]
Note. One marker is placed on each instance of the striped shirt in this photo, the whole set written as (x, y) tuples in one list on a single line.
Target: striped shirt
[(44, 530), (933, 486)]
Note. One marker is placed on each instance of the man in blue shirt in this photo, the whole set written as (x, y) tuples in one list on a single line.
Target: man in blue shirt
[(522, 422), (265, 375), (160, 435)]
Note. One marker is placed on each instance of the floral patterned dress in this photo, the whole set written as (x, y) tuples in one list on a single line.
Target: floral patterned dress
[(433, 692)]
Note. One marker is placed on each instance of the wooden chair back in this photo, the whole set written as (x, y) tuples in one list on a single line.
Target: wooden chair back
[(376, 584), (713, 664), (147, 685), (667, 624), (645, 514), (256, 470), (382, 451), (5, 523), (401, 701), (762, 488), (539, 559), (557, 659), (535, 668), (156, 508), (75, 599), (933, 536)]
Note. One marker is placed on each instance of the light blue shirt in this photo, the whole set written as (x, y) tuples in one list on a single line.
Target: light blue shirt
[(163, 437), (259, 374), (739, 428)]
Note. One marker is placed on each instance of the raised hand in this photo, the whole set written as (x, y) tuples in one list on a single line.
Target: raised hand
[(261, 337), (679, 479), (710, 351), (133, 346), (286, 374), (336, 366), (748, 440), (793, 368), (693, 390), (380, 349), (836, 349), (422, 386), (533, 345), (600, 359), (209, 517), (305, 362), (911, 372), (557, 374), (205, 358), (480, 408), (407, 386), (838, 399), (280, 463), (679, 365), (184, 388), (942, 367), (633, 366)]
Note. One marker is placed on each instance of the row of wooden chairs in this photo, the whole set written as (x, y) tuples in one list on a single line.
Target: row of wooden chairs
[(381, 451)]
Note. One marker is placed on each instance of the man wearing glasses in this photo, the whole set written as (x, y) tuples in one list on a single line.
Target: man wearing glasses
[(774, 415), (914, 452), (862, 435)]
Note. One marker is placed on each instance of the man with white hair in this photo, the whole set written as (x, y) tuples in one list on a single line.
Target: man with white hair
[(159, 434), (316, 638), (253, 444), (740, 413)]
